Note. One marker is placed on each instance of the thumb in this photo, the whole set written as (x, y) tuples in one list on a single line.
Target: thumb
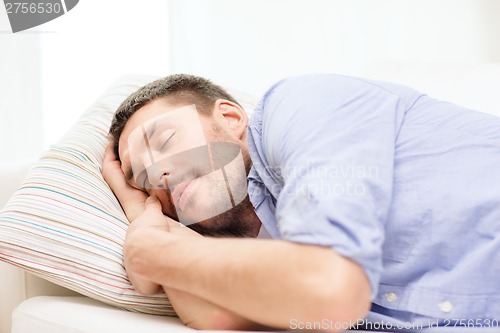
[(152, 202), (152, 215)]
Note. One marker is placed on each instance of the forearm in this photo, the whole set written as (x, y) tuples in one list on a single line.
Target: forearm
[(143, 285), (193, 311), (198, 313), (249, 276)]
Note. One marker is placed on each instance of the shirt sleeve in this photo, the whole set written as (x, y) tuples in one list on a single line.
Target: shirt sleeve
[(329, 140)]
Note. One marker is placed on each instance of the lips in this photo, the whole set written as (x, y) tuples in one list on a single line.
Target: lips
[(182, 192)]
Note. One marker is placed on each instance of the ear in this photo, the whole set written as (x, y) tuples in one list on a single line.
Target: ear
[(233, 117)]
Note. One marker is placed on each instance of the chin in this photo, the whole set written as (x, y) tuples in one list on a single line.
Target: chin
[(201, 213), (205, 205), (235, 222)]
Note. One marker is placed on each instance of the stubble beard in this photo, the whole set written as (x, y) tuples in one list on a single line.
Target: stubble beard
[(239, 221)]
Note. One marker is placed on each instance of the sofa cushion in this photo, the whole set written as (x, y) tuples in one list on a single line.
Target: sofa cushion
[(48, 314)]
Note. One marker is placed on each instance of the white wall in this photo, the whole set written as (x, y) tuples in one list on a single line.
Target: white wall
[(251, 44), (20, 94), (50, 74), (91, 46)]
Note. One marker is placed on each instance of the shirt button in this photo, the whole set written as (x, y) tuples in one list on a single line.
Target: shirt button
[(391, 297), (446, 306)]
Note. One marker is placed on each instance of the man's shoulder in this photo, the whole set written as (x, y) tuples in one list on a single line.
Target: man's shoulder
[(330, 83), (333, 88), (307, 81)]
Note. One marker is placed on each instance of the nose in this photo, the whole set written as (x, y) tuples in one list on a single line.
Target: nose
[(158, 176)]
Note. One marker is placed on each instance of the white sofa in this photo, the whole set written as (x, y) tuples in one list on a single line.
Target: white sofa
[(39, 306)]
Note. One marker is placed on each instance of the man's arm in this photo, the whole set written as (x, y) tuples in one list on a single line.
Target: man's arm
[(192, 310), (198, 313), (268, 282), (133, 204), (242, 278)]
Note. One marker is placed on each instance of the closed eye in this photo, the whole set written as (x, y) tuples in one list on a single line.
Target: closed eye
[(166, 140)]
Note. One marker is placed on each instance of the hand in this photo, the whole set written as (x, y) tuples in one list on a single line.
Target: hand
[(152, 216), (131, 199), (145, 236)]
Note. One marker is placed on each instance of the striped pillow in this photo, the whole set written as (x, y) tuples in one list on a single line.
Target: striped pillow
[(65, 225)]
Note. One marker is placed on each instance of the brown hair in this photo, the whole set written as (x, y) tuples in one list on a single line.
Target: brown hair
[(184, 88)]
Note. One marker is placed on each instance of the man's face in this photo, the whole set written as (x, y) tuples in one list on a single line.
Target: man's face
[(189, 161)]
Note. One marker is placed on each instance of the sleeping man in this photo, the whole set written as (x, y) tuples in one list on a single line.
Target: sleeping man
[(341, 203)]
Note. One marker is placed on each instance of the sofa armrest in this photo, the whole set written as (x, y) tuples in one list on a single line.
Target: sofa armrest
[(12, 293)]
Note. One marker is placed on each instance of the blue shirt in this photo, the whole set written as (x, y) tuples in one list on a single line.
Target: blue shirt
[(405, 185)]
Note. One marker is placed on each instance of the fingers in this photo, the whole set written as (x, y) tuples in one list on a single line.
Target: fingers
[(111, 168), (151, 215), (113, 175), (152, 202), (131, 199), (153, 205), (112, 172), (109, 154)]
